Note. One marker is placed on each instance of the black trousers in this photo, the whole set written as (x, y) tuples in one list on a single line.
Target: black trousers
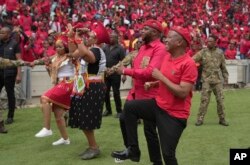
[(169, 128), (9, 84), (151, 137), (113, 81)]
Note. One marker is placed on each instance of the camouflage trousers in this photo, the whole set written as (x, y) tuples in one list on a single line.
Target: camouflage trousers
[(206, 91), (1, 115)]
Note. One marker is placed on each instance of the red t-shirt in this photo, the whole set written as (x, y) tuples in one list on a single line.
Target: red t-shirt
[(25, 22), (223, 42), (181, 69), (11, 5), (230, 54), (244, 46)]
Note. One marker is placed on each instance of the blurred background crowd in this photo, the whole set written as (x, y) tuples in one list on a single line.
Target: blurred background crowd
[(35, 21)]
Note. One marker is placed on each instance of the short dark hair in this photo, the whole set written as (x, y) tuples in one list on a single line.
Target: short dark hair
[(213, 36)]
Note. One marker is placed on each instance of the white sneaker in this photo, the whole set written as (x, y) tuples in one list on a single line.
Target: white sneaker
[(117, 160), (44, 132), (61, 141)]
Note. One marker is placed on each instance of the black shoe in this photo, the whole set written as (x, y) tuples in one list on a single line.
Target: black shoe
[(9, 121), (223, 122), (129, 153), (199, 123), (106, 113)]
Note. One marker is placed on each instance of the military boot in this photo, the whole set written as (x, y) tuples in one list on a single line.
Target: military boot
[(223, 122), (199, 120), (2, 129), (199, 123)]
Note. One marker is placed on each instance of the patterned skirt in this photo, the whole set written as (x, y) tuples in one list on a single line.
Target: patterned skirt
[(60, 94), (86, 111)]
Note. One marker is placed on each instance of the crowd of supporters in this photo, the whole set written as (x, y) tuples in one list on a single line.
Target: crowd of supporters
[(35, 22)]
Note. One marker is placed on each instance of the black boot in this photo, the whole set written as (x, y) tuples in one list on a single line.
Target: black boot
[(2, 128)]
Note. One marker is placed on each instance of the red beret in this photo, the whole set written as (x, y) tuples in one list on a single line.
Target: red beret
[(101, 33), (183, 32), (153, 24)]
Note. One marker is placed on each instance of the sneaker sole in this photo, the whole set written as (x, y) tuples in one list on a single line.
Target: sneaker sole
[(60, 144), (118, 160), (42, 136)]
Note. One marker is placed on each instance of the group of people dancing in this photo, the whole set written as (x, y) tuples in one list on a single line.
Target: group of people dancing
[(163, 77)]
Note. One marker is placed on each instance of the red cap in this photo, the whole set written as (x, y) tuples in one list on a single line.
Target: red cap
[(101, 33), (183, 32), (153, 24)]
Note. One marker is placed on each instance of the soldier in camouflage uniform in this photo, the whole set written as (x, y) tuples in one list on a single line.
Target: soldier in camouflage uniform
[(4, 63), (213, 74)]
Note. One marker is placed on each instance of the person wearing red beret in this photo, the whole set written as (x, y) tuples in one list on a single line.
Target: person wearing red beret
[(89, 90), (170, 108), (150, 56)]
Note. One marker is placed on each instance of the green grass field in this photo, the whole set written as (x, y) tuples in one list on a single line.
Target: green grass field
[(205, 145)]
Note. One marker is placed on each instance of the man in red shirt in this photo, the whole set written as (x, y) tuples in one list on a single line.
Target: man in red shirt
[(149, 56), (171, 107)]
